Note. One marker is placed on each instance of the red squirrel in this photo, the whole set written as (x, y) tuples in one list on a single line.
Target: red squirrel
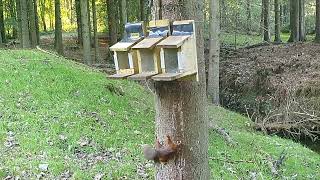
[(161, 153)]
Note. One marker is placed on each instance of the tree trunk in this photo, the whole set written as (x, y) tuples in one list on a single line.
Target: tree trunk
[(78, 14), (181, 106), (277, 21), (317, 38), (294, 21), (112, 25), (2, 27), (58, 44), (24, 25), (32, 24), (142, 10), (36, 21), (86, 32), (214, 54), (19, 31), (95, 31), (156, 10), (42, 14), (248, 17), (223, 13), (302, 31), (124, 15), (1, 43), (266, 26)]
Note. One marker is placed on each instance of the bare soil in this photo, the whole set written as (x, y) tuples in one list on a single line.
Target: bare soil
[(276, 85)]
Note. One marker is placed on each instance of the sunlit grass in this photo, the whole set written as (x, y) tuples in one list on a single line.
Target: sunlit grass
[(78, 122)]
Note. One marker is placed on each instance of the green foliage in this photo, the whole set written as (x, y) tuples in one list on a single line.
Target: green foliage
[(56, 112)]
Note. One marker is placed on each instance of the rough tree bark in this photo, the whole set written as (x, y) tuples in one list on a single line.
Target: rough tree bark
[(213, 69), (277, 21), (86, 32), (181, 109), (24, 25), (294, 21), (58, 44), (317, 38), (266, 20)]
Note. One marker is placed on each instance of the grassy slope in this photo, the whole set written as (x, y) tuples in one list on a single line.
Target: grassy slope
[(81, 124)]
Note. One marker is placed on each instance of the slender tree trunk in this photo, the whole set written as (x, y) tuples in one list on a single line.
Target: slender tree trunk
[(294, 21), (223, 13), (42, 14), (266, 20), (32, 24), (214, 54), (112, 25), (1, 43), (248, 17), (181, 106), (36, 21), (50, 14), (317, 39), (86, 32), (58, 44), (2, 26), (124, 15), (19, 31), (302, 31), (277, 22), (156, 10), (95, 31), (24, 25), (79, 27), (142, 10)]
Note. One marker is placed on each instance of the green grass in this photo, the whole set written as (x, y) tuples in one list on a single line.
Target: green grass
[(78, 122)]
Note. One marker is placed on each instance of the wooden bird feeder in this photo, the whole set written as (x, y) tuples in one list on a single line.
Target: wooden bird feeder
[(179, 53), (125, 59), (148, 53)]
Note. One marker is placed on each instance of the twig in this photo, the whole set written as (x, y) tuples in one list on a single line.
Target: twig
[(232, 161)]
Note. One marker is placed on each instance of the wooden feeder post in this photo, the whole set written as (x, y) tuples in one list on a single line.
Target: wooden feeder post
[(125, 58), (148, 53), (179, 53)]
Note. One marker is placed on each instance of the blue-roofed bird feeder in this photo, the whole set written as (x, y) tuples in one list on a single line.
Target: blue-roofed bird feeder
[(125, 59), (148, 53), (179, 53)]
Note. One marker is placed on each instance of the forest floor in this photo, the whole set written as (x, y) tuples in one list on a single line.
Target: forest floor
[(277, 84), (63, 120)]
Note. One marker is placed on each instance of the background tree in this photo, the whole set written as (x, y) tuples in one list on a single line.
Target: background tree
[(176, 114), (79, 26), (294, 21), (95, 31), (32, 23), (317, 38), (58, 44), (214, 54), (266, 20), (25, 25), (86, 32), (277, 22), (2, 25), (112, 25), (302, 32)]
